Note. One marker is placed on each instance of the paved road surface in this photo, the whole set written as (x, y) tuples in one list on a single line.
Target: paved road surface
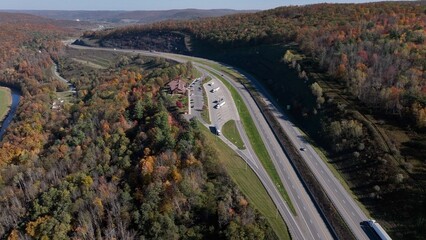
[(308, 223), (220, 115), (346, 205), (196, 100), (308, 217)]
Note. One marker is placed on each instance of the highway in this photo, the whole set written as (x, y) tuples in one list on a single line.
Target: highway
[(308, 217), (308, 224), (346, 205)]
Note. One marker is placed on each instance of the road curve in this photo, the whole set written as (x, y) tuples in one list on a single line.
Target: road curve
[(308, 224), (308, 217), (249, 157)]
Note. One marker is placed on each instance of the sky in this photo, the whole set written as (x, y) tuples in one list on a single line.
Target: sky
[(153, 4)]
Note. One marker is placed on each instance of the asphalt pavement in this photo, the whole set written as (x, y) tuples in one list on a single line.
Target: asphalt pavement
[(308, 219), (345, 204), (308, 224)]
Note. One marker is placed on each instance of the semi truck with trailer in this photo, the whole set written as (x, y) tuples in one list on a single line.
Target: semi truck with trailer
[(378, 229)]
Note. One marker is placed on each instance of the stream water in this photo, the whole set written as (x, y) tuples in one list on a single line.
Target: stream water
[(12, 112)]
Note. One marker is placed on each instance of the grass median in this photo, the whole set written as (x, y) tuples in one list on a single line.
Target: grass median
[(205, 112), (230, 131), (248, 183), (256, 141)]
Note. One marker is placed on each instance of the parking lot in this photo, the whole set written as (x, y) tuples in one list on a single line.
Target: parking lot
[(196, 97), (221, 104)]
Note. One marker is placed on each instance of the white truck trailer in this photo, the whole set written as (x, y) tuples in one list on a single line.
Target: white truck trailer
[(378, 229)]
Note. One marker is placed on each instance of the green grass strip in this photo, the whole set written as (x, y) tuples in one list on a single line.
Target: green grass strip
[(248, 182), (250, 128), (205, 112), (256, 141), (230, 131)]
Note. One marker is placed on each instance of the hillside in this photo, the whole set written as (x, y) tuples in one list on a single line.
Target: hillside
[(352, 75), (116, 159), (131, 16), (29, 19)]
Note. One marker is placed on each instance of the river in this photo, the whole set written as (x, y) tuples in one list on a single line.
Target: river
[(15, 102), (16, 96)]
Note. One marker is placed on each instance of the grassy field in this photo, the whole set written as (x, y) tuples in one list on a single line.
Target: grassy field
[(5, 101), (97, 59), (230, 131), (256, 141), (90, 64), (205, 114), (248, 183)]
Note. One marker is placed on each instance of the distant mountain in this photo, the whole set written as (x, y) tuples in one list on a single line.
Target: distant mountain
[(184, 14), (131, 16), (6, 17), (23, 18)]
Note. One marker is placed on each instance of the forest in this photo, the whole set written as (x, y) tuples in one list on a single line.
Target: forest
[(353, 75), (377, 50), (115, 162)]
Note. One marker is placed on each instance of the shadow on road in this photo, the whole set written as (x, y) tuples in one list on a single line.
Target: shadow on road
[(369, 231)]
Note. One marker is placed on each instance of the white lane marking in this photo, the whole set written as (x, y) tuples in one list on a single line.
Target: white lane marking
[(298, 196), (344, 201), (335, 189), (353, 214)]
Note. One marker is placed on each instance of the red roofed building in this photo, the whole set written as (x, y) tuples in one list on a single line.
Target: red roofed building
[(177, 86)]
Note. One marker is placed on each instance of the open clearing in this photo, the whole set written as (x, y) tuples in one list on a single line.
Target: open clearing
[(89, 63), (5, 102)]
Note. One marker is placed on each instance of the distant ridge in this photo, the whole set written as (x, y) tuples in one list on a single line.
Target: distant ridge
[(131, 16), (6, 17), (26, 18)]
